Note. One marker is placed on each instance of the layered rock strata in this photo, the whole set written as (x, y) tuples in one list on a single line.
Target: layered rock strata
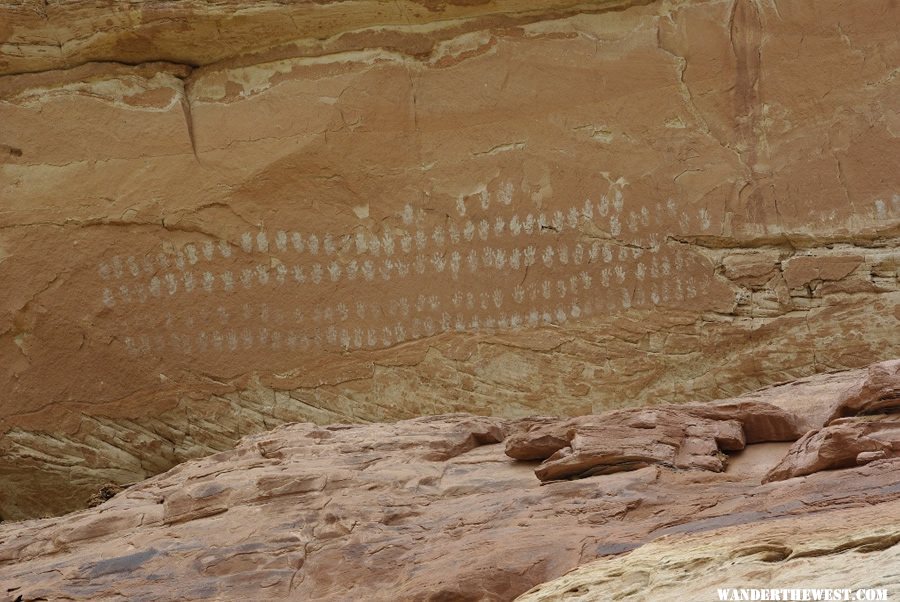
[(853, 550), (215, 218), (436, 508)]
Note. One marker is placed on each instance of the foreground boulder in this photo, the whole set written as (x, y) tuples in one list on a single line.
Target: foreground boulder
[(628, 440), (436, 509), (841, 444)]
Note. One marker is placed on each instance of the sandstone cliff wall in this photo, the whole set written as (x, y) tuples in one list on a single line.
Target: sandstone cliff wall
[(216, 217)]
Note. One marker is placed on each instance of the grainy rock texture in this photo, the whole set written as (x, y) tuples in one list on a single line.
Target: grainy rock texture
[(848, 549), (218, 217), (841, 444), (434, 509)]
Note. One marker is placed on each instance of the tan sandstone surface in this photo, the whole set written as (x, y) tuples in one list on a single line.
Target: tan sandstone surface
[(444, 508), (219, 217), (848, 549)]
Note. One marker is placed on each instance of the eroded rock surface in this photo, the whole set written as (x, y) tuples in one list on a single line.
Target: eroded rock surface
[(627, 440), (218, 217), (434, 509), (847, 549), (840, 444)]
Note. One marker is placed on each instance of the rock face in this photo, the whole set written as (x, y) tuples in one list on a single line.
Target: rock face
[(841, 444), (218, 217), (849, 549), (628, 440), (437, 509)]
